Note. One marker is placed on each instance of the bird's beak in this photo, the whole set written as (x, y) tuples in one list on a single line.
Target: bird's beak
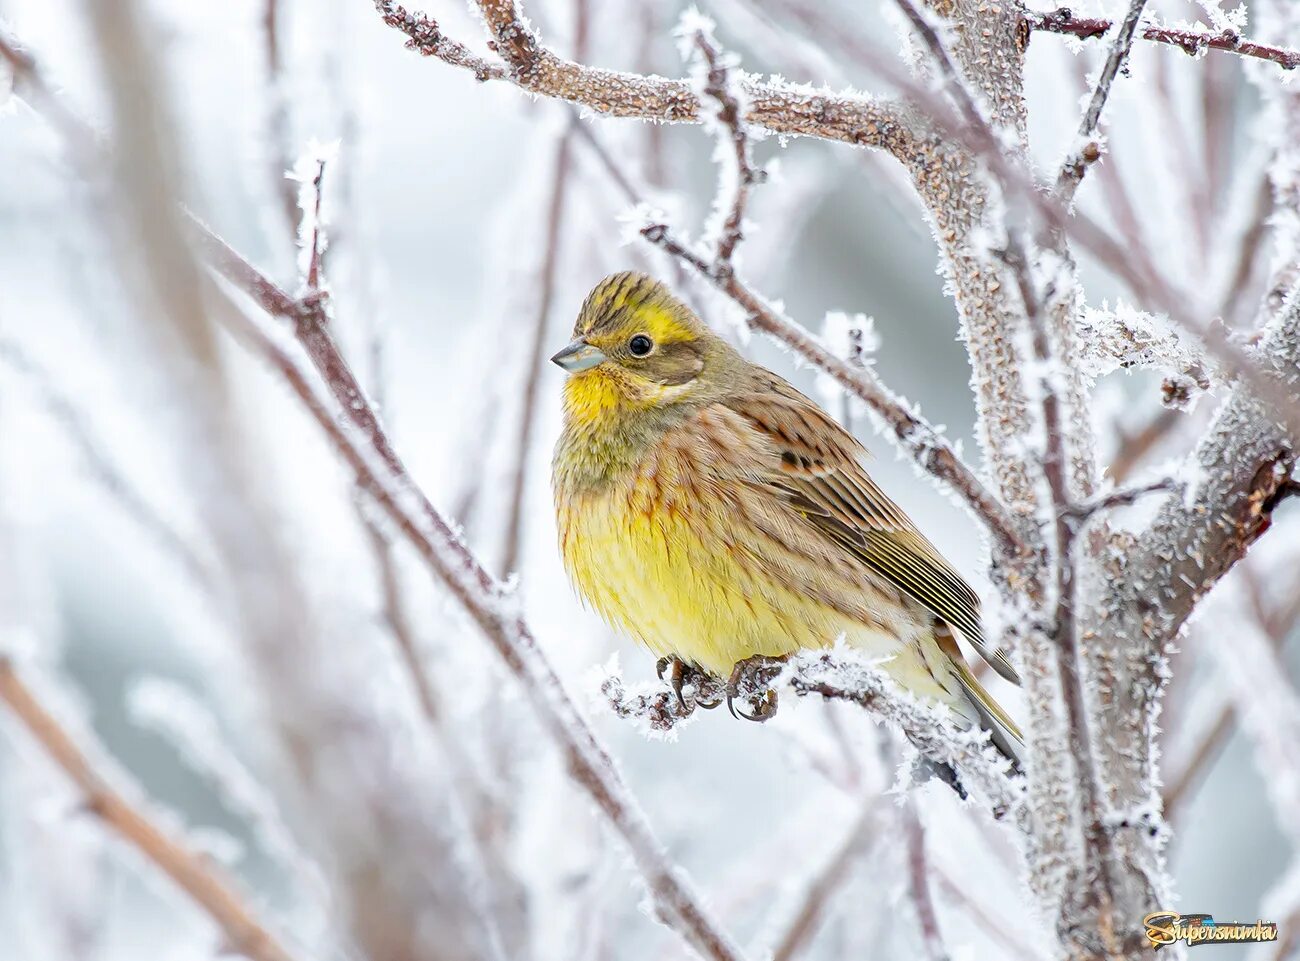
[(579, 356)]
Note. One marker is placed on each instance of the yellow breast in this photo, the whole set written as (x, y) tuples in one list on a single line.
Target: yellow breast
[(664, 553)]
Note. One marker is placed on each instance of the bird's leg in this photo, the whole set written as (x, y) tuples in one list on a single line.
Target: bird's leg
[(751, 679)]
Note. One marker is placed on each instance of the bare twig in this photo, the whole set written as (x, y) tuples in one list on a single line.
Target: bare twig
[(1192, 42), (731, 129), (1072, 170), (277, 116), (194, 874), (914, 435), (1248, 255), (1277, 626), (1000, 929), (546, 280), (537, 353), (807, 918), (1136, 445), (100, 462), (1124, 497), (918, 877)]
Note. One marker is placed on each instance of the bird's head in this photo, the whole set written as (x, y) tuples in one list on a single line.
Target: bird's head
[(637, 347)]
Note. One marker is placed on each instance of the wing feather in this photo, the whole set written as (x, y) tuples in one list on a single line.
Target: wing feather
[(816, 468)]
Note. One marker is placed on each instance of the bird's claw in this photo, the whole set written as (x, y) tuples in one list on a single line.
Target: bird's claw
[(680, 674), (750, 681)]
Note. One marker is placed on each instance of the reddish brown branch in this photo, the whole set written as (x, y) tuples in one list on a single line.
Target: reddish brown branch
[(1193, 42), (189, 870)]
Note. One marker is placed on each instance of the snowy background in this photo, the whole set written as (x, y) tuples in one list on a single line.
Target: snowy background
[(437, 196)]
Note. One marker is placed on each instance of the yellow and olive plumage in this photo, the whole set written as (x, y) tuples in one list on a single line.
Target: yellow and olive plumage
[(714, 513)]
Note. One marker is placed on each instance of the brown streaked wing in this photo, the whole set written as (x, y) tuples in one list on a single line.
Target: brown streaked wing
[(818, 471)]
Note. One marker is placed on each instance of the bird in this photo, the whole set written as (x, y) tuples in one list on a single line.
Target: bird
[(715, 514)]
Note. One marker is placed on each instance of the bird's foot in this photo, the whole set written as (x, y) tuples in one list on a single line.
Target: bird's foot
[(751, 681), (691, 687)]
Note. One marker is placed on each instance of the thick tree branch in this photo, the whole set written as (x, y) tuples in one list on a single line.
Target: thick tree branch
[(194, 874), (535, 68)]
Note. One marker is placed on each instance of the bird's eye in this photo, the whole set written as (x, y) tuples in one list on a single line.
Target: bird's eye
[(640, 345)]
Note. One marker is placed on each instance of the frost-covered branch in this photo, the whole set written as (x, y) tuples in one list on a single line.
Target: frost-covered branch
[(914, 435), (898, 129), (1072, 170), (1191, 42), (733, 189), (536, 69), (1093, 897), (847, 676), (426, 38), (484, 598), (1125, 338), (189, 870)]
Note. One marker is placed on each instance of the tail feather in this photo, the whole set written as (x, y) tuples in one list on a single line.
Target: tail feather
[(1003, 732)]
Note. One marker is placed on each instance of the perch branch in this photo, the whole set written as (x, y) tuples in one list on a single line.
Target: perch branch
[(189, 870), (1192, 42)]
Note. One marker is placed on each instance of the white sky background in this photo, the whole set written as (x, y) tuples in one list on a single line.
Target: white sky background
[(436, 247)]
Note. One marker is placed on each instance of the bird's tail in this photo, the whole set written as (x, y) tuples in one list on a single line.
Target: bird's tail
[(1002, 729)]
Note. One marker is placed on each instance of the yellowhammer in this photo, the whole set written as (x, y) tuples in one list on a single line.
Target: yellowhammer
[(716, 514)]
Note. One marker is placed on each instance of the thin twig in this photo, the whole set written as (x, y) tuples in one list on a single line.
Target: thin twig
[(1000, 929), (731, 129), (194, 874), (546, 281), (807, 918), (1277, 626), (918, 880), (535, 359), (1192, 42), (277, 116), (1124, 497), (1072, 170), (1248, 253), (914, 435), (1136, 445)]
